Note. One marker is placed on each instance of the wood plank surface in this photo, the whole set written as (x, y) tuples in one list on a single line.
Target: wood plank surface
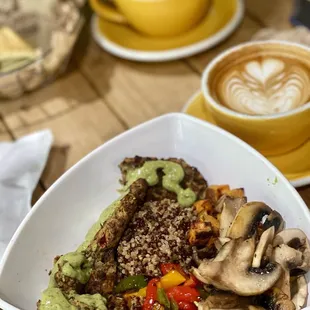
[(82, 130), (38, 192), (137, 92), (72, 86), (244, 33)]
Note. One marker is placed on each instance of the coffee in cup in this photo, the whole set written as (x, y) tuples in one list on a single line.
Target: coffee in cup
[(153, 17), (260, 92), (263, 84)]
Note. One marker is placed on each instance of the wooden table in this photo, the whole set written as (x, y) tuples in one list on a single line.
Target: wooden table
[(101, 96)]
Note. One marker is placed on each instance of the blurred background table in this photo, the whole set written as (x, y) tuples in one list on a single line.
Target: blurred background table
[(101, 96)]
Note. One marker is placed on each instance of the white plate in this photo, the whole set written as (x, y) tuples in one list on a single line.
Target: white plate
[(171, 54), (61, 218)]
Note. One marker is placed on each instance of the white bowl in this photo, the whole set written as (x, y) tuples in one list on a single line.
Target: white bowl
[(60, 219)]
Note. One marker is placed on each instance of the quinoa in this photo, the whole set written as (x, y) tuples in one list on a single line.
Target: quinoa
[(157, 234)]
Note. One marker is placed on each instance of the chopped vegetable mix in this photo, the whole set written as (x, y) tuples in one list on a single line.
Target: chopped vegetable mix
[(192, 281), (174, 305), (171, 279), (131, 283), (183, 293), (183, 305), (162, 298), (151, 295)]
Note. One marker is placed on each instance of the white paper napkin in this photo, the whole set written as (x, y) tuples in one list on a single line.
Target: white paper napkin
[(21, 165)]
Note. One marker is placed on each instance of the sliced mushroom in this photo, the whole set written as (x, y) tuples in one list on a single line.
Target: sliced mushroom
[(265, 240), (268, 254), (235, 273), (288, 258), (247, 220), (274, 299), (274, 219), (292, 236), (220, 204), (220, 242), (224, 252), (227, 217), (229, 209), (295, 239), (299, 291), (235, 202), (203, 305), (223, 240), (284, 283), (226, 300)]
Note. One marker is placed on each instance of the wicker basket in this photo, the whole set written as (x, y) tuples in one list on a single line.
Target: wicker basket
[(52, 27)]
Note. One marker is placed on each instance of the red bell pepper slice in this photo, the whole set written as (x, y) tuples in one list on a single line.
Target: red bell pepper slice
[(183, 293), (183, 305), (166, 267), (151, 294), (192, 281)]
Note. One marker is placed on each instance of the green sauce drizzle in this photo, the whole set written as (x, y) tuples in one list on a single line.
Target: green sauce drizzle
[(174, 174)]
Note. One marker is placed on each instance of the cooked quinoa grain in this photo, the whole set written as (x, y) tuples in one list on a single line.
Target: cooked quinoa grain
[(157, 234)]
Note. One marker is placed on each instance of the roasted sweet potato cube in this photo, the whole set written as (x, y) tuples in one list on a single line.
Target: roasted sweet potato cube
[(203, 205), (200, 233), (206, 218), (214, 192), (236, 192), (220, 187)]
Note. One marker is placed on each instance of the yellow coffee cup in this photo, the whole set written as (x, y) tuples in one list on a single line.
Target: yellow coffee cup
[(154, 17), (260, 91)]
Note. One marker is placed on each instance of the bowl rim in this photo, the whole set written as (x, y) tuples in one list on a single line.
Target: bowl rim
[(170, 117), (224, 110)]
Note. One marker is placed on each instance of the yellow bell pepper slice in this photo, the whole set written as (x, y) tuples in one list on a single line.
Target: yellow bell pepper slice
[(140, 293), (171, 279)]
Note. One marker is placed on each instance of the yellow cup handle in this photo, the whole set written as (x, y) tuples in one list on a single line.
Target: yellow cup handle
[(107, 12)]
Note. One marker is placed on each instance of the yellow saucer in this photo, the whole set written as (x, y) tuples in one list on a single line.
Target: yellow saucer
[(121, 40), (294, 165)]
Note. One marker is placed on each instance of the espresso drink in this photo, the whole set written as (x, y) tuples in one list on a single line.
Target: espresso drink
[(263, 83)]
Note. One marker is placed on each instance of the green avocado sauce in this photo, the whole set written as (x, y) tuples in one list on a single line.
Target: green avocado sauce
[(174, 174), (75, 264), (97, 301), (53, 299)]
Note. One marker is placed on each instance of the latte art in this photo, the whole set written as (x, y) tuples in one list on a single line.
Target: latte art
[(265, 86)]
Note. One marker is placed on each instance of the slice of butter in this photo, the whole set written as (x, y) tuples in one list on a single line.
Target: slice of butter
[(13, 47)]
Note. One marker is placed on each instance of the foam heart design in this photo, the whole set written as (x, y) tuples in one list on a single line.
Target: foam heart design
[(265, 86)]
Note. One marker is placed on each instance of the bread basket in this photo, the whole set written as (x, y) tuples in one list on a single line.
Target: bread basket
[(50, 28)]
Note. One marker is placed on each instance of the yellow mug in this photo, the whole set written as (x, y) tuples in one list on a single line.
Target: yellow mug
[(154, 17), (260, 92)]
